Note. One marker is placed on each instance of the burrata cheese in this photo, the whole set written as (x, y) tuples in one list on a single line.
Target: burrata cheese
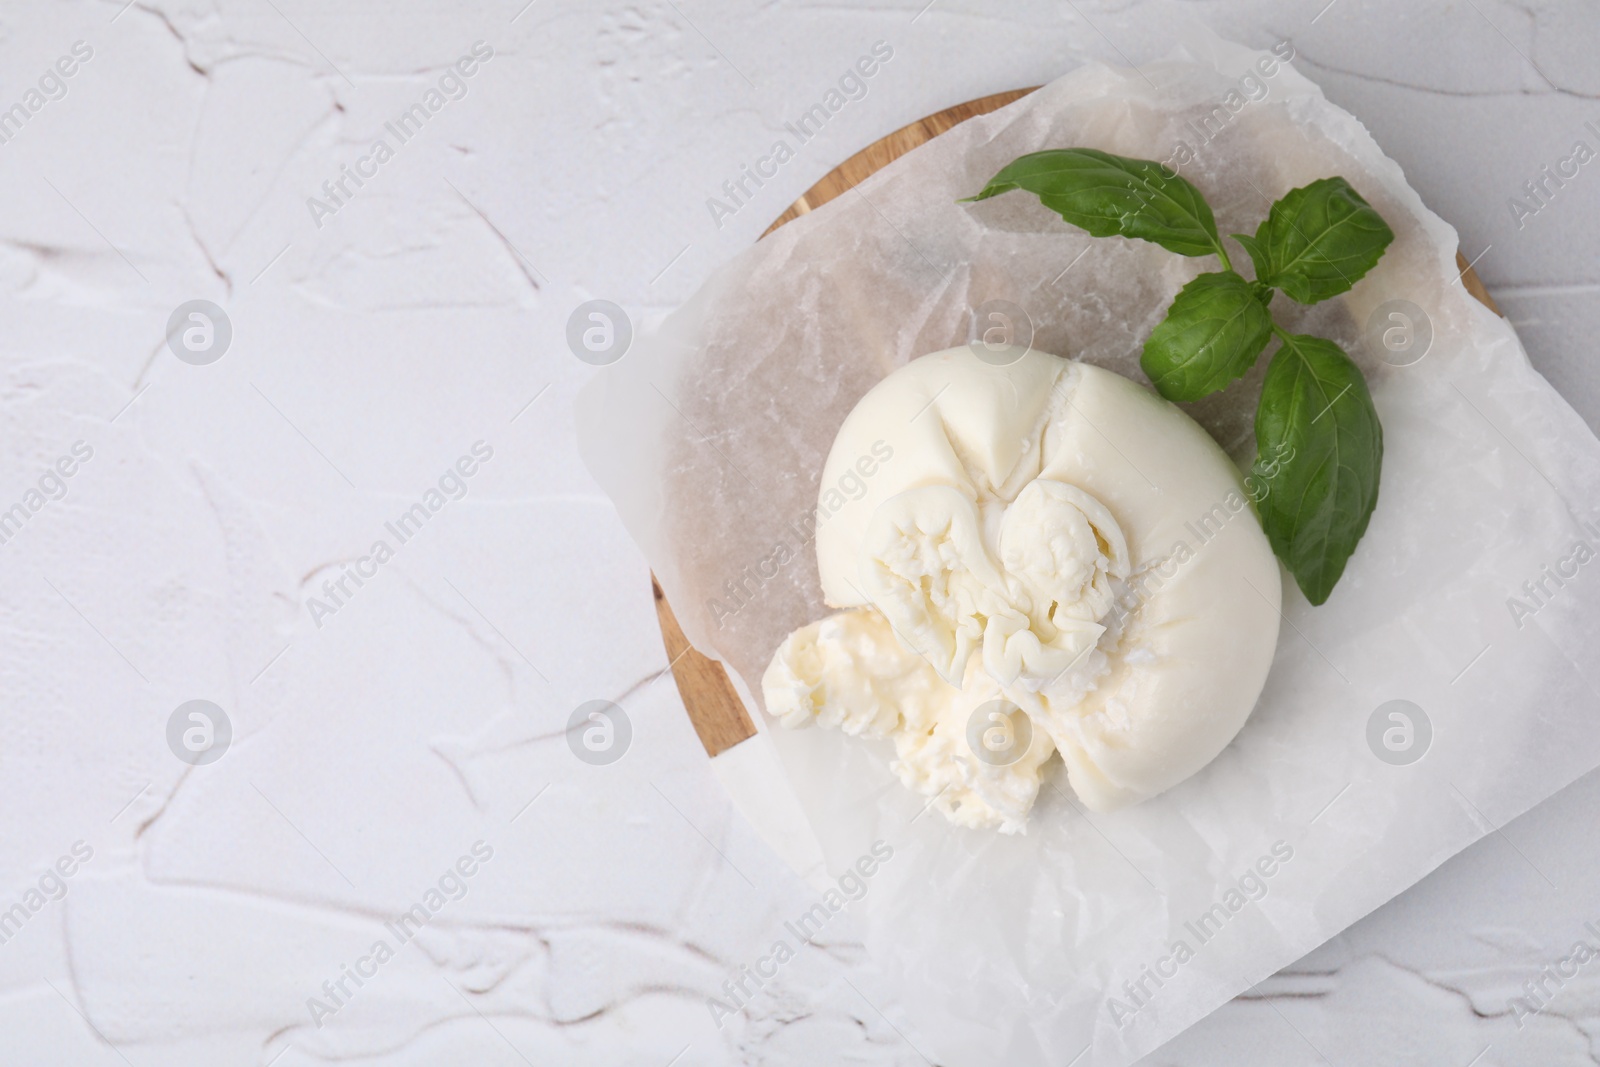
[(1058, 560)]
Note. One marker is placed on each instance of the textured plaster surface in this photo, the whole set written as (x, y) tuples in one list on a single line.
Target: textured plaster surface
[(375, 746)]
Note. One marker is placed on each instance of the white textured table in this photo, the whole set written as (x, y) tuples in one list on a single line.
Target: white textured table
[(397, 717)]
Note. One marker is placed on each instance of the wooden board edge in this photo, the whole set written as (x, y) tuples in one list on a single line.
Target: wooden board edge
[(880, 153), (719, 717), (1475, 286)]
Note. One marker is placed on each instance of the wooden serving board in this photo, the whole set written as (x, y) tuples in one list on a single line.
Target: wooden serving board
[(714, 707)]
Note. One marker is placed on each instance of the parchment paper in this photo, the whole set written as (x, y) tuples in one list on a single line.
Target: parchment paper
[(1025, 950)]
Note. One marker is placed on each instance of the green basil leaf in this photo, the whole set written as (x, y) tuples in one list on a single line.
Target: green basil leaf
[(1318, 241), (1258, 255), (1319, 449), (1212, 334), (1111, 196)]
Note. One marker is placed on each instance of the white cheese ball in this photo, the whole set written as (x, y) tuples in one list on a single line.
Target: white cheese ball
[(1082, 541)]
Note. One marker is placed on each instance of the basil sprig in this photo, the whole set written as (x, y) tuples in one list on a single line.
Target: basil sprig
[(1319, 445)]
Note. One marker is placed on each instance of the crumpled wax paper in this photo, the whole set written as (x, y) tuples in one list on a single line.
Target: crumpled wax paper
[(1114, 932)]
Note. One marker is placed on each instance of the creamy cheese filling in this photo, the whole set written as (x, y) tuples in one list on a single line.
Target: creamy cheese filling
[(1027, 555), (849, 672)]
